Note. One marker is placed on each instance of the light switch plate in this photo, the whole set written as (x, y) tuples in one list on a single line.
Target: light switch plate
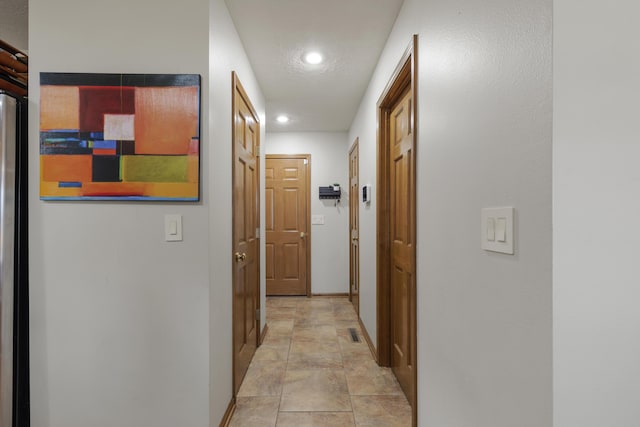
[(501, 237), (317, 219), (173, 228)]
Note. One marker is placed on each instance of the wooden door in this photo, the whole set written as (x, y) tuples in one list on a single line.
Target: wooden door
[(402, 245), (288, 241), (245, 253), (354, 227)]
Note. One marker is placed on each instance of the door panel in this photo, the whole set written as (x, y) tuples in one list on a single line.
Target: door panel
[(290, 211), (246, 286), (402, 248), (287, 188), (291, 251), (354, 227)]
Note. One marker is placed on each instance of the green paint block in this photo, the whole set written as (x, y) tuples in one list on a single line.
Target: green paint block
[(154, 168)]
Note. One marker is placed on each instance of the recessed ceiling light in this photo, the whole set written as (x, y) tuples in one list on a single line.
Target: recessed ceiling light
[(313, 58), (282, 119)]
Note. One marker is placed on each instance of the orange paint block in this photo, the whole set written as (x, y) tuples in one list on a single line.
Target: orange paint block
[(193, 165), (52, 189), (166, 119), (59, 107), (174, 190), (105, 189), (55, 168)]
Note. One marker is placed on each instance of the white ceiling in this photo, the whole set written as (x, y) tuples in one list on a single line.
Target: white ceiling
[(350, 34)]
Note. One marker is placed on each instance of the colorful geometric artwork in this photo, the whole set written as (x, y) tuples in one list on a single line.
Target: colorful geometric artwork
[(119, 137)]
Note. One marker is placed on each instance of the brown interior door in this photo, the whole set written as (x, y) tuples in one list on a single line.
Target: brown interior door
[(245, 254), (402, 198), (287, 237), (354, 227)]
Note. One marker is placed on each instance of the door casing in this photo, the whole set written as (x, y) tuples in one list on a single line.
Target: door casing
[(404, 77), (354, 227)]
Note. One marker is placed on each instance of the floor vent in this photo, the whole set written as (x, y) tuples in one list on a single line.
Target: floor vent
[(354, 335)]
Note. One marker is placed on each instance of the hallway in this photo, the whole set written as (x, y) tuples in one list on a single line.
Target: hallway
[(309, 371)]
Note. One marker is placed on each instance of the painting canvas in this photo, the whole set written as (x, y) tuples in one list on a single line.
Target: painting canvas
[(119, 136)]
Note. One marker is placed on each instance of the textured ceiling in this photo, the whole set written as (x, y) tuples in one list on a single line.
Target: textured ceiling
[(14, 23), (349, 33)]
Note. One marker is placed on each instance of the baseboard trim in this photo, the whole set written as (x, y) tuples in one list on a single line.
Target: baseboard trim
[(338, 294), (367, 338), (263, 335), (226, 419)]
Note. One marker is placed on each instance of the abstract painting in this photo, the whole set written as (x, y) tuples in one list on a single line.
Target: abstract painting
[(119, 137)]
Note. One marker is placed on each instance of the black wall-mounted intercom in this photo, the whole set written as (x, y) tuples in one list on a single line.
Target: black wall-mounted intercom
[(366, 194), (330, 192)]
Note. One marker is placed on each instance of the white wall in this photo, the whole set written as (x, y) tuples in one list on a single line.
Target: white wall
[(119, 317), (484, 139), (14, 23), (595, 212), (329, 242), (227, 55)]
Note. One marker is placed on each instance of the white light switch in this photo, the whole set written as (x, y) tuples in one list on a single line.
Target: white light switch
[(317, 219), (173, 228), (501, 230), (491, 230), (497, 230)]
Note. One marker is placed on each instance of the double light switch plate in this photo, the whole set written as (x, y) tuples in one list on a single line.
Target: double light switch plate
[(497, 230)]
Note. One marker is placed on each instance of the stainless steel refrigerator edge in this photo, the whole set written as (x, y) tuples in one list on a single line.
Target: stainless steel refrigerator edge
[(8, 131)]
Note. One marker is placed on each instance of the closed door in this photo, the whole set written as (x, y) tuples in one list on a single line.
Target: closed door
[(286, 217), (245, 253), (354, 227), (402, 245)]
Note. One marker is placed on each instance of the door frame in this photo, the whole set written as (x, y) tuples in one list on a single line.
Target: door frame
[(306, 157), (237, 86), (404, 76), (355, 147)]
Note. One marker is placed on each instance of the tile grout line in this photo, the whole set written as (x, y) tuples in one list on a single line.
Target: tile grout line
[(286, 367), (344, 372)]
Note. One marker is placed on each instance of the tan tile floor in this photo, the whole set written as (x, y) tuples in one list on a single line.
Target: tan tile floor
[(309, 373)]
